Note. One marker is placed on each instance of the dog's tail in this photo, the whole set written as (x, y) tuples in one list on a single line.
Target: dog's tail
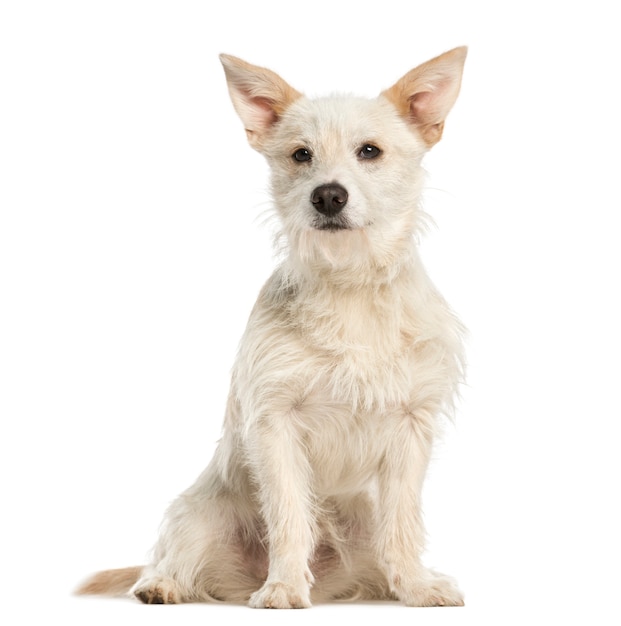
[(112, 582)]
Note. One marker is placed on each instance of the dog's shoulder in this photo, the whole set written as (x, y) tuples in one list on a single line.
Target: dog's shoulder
[(280, 289)]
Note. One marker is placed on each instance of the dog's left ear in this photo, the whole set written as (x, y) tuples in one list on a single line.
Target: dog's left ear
[(259, 96), (426, 94)]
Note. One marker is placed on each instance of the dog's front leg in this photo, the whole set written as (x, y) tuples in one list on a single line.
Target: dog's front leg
[(281, 470), (401, 534)]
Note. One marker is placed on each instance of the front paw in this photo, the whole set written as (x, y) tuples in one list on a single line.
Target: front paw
[(276, 595), (433, 590)]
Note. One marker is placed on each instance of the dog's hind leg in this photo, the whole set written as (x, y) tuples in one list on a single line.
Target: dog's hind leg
[(207, 549)]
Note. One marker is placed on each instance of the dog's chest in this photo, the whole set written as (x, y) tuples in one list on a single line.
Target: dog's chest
[(363, 345), (353, 325), (363, 357), (344, 448)]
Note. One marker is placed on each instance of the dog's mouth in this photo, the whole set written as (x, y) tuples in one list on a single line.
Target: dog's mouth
[(332, 227), (332, 224)]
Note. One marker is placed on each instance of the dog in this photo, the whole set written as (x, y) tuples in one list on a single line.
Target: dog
[(349, 361)]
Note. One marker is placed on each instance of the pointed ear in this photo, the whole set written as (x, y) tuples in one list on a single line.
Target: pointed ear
[(259, 96), (426, 94)]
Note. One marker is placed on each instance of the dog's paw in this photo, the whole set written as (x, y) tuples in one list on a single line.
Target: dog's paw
[(434, 590), (157, 590), (280, 596)]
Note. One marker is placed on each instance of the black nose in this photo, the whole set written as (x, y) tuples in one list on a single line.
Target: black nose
[(329, 199)]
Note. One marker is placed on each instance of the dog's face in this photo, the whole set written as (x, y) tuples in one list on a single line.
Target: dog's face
[(338, 171), (346, 172)]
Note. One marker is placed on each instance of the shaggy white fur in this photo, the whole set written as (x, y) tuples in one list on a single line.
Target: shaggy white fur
[(349, 358)]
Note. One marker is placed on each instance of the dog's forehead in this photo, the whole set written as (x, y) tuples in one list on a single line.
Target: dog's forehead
[(348, 117)]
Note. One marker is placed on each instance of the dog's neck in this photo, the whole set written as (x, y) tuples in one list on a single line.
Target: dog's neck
[(360, 272)]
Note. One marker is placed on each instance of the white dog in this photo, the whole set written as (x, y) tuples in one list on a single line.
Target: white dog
[(348, 361)]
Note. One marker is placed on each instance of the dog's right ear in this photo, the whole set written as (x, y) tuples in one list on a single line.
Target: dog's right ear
[(259, 96)]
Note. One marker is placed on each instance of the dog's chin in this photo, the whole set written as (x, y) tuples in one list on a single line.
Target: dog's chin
[(333, 245)]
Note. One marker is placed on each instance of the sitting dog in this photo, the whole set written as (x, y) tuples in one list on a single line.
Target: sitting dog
[(348, 362)]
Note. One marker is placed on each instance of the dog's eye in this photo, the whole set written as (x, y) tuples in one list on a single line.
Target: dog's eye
[(369, 151), (302, 155)]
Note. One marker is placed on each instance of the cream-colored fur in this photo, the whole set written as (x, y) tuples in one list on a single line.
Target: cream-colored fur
[(348, 361)]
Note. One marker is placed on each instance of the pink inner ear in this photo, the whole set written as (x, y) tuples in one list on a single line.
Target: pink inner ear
[(265, 109), (421, 107), (261, 113)]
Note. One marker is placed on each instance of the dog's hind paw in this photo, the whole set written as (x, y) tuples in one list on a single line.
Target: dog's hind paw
[(157, 590), (280, 596)]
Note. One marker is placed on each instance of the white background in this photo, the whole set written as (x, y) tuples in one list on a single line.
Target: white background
[(133, 244)]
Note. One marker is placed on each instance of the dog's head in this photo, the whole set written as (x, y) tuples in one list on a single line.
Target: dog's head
[(346, 171)]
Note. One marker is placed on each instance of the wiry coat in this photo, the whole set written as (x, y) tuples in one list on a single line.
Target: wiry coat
[(348, 360)]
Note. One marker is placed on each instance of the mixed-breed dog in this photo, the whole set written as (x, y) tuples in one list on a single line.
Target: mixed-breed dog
[(349, 360)]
